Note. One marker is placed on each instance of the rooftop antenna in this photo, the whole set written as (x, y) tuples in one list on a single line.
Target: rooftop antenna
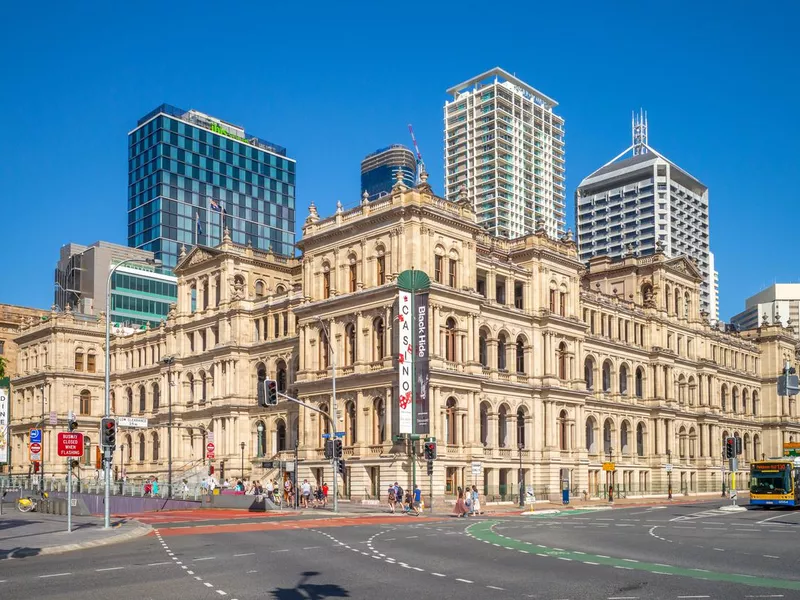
[(639, 132), (420, 162)]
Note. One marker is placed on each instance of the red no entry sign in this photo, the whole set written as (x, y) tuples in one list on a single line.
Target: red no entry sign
[(209, 450), (70, 444), (36, 448)]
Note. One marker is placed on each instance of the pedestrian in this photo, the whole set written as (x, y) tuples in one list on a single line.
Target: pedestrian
[(185, 490), (324, 495), (461, 507), (155, 486), (391, 498), (305, 490), (417, 498), (409, 504), (476, 501), (271, 490)]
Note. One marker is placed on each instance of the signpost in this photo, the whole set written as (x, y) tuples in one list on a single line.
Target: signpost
[(70, 445), (35, 446), (138, 422)]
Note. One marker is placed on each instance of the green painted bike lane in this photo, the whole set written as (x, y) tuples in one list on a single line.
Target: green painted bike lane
[(484, 532)]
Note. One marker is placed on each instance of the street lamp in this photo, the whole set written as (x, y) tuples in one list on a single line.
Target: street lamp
[(122, 469), (333, 413), (520, 446), (107, 411), (242, 445), (169, 361), (259, 445), (669, 474)]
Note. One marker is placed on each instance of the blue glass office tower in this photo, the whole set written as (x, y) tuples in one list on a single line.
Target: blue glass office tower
[(191, 175), (378, 170)]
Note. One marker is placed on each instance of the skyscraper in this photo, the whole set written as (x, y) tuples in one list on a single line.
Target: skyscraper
[(504, 147), (379, 170), (191, 175), (643, 203)]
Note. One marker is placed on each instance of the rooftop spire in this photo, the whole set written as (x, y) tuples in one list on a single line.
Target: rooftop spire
[(639, 132)]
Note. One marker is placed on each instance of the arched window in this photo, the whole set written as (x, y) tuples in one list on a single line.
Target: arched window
[(86, 402), (623, 438), (756, 447), (562, 361), (378, 421), (520, 428), (156, 447), (681, 437), (681, 389), (324, 350), (608, 444), (450, 340), (141, 447), (520, 354), (686, 305), (259, 289), (203, 387), (640, 439), (261, 377), (591, 440), (128, 450), (484, 424), (563, 431), (378, 335), (607, 376), (326, 281), (755, 403), (483, 350), (261, 439), (129, 401), (639, 382), (623, 380), (280, 289), (350, 343), (735, 399), (280, 376), (190, 386), (745, 401), (350, 424), (91, 362), (280, 435), (692, 442), (588, 373), (501, 352), (668, 298), (380, 267), (724, 397), (502, 427), (156, 397), (112, 400), (142, 399), (451, 428), (192, 300)]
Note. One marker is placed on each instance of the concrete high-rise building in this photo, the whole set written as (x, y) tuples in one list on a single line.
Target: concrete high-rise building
[(140, 294), (504, 148), (192, 175), (379, 170), (779, 304), (643, 203)]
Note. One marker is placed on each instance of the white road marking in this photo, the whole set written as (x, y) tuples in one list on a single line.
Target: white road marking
[(286, 549), (772, 596), (252, 553), (720, 549), (623, 598), (205, 558), (54, 575), (778, 516), (769, 556), (109, 569), (205, 583), (221, 593), (438, 574), (694, 597), (159, 563), (464, 580), (494, 587)]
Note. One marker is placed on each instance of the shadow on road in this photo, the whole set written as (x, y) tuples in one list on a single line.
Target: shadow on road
[(310, 591), (19, 553)]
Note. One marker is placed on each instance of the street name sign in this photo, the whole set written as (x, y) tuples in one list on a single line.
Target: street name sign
[(53, 418), (668, 468), (70, 444), (476, 468), (140, 422)]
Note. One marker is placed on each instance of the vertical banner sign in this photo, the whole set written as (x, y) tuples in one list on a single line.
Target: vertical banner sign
[(4, 442), (421, 363), (405, 360)]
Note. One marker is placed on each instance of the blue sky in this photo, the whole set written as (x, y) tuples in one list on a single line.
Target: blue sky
[(334, 81)]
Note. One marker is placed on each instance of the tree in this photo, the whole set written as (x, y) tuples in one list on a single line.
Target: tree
[(2, 367)]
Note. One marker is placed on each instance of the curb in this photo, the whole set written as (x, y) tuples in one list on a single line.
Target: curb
[(139, 531)]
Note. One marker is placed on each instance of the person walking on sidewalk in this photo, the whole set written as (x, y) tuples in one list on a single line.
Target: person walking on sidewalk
[(476, 501), (391, 498), (461, 507), (417, 498)]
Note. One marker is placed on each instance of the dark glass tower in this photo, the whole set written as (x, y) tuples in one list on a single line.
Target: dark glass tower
[(190, 175), (379, 168)]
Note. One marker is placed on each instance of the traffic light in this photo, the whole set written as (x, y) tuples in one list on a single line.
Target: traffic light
[(337, 448), (36, 466), (269, 397), (340, 463), (738, 445), (730, 447), (430, 450), (211, 470), (73, 464), (430, 467), (73, 424), (328, 449), (108, 433)]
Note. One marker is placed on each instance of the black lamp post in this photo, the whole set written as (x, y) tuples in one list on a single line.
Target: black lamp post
[(520, 446), (669, 474), (122, 470), (242, 445)]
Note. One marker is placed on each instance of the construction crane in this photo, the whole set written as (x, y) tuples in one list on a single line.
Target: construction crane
[(420, 162)]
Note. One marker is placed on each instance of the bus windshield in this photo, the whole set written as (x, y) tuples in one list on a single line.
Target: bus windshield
[(771, 479)]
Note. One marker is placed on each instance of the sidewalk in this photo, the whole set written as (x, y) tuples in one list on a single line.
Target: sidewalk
[(34, 534)]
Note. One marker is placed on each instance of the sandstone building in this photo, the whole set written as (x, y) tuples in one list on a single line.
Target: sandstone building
[(539, 366)]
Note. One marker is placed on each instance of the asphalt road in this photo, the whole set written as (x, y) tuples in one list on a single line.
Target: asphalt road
[(670, 552)]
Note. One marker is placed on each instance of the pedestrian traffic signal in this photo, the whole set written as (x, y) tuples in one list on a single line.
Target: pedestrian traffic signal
[(36, 466), (337, 448), (73, 424), (108, 433), (730, 447), (73, 464), (738, 445), (340, 467), (328, 449), (430, 450), (269, 397), (430, 467), (211, 470)]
